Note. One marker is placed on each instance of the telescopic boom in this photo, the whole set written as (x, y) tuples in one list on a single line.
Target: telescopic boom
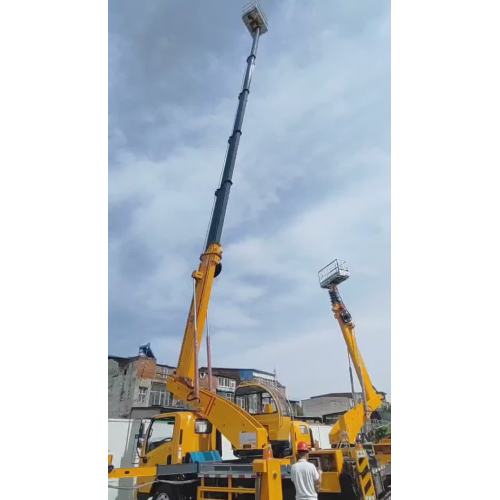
[(222, 193), (239, 427)]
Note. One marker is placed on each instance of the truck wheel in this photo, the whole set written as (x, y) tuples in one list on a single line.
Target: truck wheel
[(161, 495), (166, 492)]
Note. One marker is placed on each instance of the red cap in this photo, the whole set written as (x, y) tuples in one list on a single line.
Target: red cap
[(302, 446)]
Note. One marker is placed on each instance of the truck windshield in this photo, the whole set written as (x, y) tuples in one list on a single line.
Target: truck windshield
[(161, 432)]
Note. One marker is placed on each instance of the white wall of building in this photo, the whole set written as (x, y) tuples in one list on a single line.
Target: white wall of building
[(122, 445)]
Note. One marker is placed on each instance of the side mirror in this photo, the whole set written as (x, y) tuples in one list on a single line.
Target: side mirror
[(140, 442)]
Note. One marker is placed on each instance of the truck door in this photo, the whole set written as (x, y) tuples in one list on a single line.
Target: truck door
[(158, 446)]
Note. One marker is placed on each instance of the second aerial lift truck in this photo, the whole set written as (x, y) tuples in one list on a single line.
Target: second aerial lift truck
[(353, 421), (179, 456), (351, 429)]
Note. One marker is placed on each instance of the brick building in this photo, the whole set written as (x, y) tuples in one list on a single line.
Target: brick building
[(136, 385), (137, 382)]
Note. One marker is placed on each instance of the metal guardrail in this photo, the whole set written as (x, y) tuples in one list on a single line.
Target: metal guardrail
[(333, 273)]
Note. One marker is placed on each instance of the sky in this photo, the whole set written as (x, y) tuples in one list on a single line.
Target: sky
[(311, 182)]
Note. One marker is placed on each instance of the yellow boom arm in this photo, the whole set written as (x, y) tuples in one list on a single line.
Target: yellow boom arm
[(350, 424), (242, 430), (204, 276)]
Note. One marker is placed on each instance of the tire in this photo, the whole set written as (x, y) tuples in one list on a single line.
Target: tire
[(163, 494), (167, 492)]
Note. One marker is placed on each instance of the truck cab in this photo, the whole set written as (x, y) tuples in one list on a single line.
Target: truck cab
[(171, 438)]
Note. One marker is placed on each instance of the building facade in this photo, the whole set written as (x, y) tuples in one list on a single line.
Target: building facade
[(136, 385), (137, 382), (332, 404), (329, 407)]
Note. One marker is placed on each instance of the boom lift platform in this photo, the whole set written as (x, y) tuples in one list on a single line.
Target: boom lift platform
[(352, 422), (333, 274), (354, 425)]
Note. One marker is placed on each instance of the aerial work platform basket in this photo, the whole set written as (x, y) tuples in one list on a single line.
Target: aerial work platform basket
[(254, 17), (333, 274)]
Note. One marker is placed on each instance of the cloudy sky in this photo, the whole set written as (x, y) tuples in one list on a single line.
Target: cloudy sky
[(311, 183)]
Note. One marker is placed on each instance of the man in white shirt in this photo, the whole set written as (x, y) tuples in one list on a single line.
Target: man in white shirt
[(305, 477)]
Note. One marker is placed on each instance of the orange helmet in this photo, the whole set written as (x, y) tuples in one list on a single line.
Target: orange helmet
[(302, 446)]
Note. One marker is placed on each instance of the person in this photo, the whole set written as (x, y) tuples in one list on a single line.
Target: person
[(305, 477)]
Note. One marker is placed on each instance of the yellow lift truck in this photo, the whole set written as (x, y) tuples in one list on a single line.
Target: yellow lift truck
[(180, 446), (180, 456), (354, 426), (348, 470)]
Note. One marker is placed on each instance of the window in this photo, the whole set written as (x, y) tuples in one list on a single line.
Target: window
[(226, 382), (160, 398), (229, 395), (161, 372), (143, 392), (160, 432)]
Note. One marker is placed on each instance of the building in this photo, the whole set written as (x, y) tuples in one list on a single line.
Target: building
[(228, 378), (330, 406), (296, 406), (251, 400), (136, 385), (137, 382)]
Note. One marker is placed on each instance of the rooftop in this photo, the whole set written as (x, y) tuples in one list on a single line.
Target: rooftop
[(239, 370), (336, 395), (340, 395), (129, 359)]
